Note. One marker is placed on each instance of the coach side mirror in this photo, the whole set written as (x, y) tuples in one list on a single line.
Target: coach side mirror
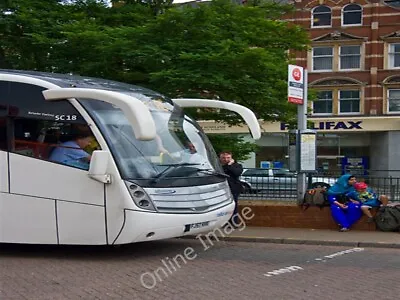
[(99, 165)]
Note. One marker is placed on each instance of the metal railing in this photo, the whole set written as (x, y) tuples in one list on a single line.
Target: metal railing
[(262, 184)]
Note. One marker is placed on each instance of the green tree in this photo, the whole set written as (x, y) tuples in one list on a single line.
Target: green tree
[(217, 50), (81, 37), (156, 6), (19, 19), (226, 51), (234, 143)]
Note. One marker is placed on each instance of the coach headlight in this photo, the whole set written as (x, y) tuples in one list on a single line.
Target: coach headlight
[(140, 197)]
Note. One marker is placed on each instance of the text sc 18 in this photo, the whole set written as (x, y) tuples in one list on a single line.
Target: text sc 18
[(66, 117)]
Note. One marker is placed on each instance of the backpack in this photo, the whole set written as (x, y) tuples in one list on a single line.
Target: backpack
[(388, 218), (314, 197)]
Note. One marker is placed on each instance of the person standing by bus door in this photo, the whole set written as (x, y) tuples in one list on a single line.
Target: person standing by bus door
[(234, 170)]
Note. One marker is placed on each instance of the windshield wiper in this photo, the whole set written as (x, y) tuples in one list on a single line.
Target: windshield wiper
[(171, 167), (213, 172), (210, 172)]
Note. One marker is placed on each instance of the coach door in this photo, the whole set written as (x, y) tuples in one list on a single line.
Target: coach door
[(48, 201)]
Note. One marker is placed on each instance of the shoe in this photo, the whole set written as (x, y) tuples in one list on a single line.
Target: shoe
[(370, 220), (343, 229)]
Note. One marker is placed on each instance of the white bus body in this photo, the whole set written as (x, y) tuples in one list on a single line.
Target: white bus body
[(128, 192)]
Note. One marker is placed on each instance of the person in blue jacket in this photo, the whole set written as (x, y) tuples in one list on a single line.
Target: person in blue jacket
[(367, 198), (345, 212), (71, 153)]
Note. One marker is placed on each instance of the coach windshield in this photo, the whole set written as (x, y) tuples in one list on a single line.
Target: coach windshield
[(180, 143)]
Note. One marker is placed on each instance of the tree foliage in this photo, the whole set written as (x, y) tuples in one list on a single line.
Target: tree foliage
[(236, 144), (236, 53)]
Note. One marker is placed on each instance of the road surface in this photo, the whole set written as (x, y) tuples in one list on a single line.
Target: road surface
[(199, 269)]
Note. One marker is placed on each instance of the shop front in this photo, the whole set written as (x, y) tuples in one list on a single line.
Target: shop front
[(343, 144)]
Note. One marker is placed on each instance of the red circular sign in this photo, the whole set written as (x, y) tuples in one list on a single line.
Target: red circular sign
[(296, 73)]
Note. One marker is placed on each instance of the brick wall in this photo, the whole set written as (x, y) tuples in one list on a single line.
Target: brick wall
[(270, 214), (377, 31)]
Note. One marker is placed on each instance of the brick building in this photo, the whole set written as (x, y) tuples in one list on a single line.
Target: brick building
[(354, 66), (354, 43)]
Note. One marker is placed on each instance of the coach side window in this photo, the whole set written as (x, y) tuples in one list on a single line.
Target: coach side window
[(60, 142), (45, 130)]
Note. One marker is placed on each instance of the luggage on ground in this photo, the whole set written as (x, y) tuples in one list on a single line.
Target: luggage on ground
[(315, 197), (388, 218)]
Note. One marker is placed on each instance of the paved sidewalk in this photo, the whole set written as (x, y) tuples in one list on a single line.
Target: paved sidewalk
[(352, 238)]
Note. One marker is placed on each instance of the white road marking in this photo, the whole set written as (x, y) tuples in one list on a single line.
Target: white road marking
[(283, 271), (323, 259), (340, 253)]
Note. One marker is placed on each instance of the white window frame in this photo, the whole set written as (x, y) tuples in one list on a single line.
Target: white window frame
[(312, 18), (387, 101), (342, 15), (340, 56), (340, 101), (333, 100), (333, 59), (389, 60)]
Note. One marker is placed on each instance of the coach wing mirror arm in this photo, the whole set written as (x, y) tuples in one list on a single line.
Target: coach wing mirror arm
[(248, 116), (135, 111)]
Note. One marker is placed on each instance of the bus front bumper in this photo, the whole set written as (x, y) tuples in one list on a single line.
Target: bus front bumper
[(145, 226)]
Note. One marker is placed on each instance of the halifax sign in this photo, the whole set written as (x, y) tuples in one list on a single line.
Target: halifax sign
[(331, 125)]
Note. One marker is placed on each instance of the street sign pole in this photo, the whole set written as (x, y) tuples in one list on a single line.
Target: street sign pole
[(302, 125), (302, 142)]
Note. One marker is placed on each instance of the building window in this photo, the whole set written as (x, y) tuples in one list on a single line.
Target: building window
[(352, 15), (394, 100), (349, 101), (321, 16), (323, 103), (394, 55), (392, 3), (336, 58), (350, 57), (322, 58)]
